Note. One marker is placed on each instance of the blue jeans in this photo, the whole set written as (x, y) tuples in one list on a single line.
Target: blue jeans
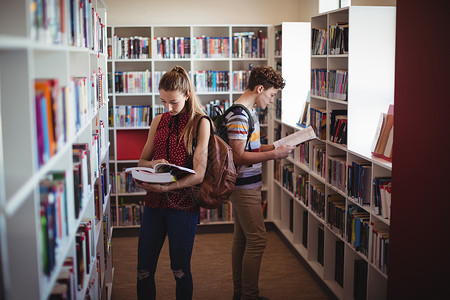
[(180, 227)]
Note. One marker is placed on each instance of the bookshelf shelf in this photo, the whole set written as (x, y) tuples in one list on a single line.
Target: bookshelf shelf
[(346, 266), (52, 151)]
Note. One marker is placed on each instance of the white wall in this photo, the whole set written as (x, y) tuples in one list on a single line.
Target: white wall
[(141, 12)]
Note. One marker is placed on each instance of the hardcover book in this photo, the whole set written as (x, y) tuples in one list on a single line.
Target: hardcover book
[(160, 173)]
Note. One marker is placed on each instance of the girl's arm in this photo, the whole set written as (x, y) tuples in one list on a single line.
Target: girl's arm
[(147, 152)]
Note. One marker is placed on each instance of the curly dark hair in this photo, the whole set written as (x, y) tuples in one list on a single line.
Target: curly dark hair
[(266, 76)]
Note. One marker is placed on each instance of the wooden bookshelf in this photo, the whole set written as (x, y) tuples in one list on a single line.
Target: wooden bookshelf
[(34, 49), (369, 58), (210, 49)]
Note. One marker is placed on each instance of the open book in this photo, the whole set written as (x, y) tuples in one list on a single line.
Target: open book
[(160, 173), (296, 138)]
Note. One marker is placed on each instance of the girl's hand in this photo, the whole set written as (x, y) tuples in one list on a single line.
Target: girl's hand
[(153, 187), (154, 162)]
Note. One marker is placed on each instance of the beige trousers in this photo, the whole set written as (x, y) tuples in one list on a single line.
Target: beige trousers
[(249, 241)]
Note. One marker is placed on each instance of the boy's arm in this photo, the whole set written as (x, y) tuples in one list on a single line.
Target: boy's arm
[(242, 157), (265, 148)]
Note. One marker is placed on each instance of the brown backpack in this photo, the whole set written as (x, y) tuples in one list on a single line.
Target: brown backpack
[(220, 176)]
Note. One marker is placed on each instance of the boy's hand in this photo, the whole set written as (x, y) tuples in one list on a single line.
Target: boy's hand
[(283, 151)]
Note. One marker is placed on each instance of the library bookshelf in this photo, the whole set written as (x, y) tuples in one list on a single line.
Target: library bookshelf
[(218, 58), (324, 197), (55, 226)]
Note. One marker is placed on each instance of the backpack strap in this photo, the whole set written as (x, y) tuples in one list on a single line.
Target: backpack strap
[(250, 121), (197, 126)]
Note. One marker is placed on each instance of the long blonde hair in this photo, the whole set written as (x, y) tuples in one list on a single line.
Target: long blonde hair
[(178, 80)]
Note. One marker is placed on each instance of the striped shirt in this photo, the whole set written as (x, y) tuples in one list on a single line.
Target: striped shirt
[(249, 177)]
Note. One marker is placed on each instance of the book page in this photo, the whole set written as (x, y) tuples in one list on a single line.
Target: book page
[(296, 138), (146, 169)]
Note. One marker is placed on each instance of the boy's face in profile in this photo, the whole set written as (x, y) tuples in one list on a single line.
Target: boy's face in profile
[(266, 97)]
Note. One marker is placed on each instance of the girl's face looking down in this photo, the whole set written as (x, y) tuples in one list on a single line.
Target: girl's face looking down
[(173, 101)]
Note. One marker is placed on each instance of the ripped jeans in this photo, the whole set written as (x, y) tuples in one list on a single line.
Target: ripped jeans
[(180, 227)]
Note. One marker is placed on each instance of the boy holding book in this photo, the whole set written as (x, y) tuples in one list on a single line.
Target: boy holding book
[(250, 235)]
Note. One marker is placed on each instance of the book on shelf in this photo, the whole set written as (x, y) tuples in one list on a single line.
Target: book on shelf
[(305, 229), (296, 138), (360, 279), (320, 245), (303, 121), (384, 134), (160, 173), (339, 263)]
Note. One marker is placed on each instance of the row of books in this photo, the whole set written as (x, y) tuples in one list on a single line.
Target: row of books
[(101, 192), (216, 107), (304, 153), (277, 170), (338, 38), (54, 217), (319, 160), (221, 214), (262, 115), (240, 80), (287, 177), (65, 286), (135, 47), (382, 196), (278, 42), (172, 47), (358, 228), (278, 111), (301, 188), (244, 45), (127, 214), (61, 111), (211, 47), (85, 257), (204, 81), (329, 83), (125, 183), (380, 248), (357, 185), (336, 214), (211, 81), (359, 182), (317, 199), (82, 175), (132, 115), (159, 109), (318, 121), (49, 23), (248, 45), (338, 126), (337, 168), (136, 82), (318, 41), (157, 77)]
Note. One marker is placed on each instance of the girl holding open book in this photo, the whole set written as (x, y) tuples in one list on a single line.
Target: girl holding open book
[(169, 209)]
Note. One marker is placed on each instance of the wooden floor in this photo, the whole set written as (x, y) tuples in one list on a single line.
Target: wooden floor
[(283, 276)]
